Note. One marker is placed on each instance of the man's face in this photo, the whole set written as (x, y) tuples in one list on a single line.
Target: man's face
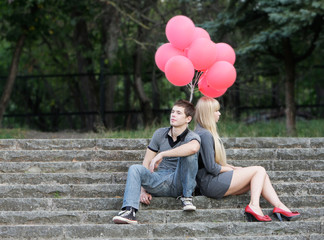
[(178, 117)]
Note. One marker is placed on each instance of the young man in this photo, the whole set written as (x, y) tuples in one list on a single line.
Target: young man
[(172, 152)]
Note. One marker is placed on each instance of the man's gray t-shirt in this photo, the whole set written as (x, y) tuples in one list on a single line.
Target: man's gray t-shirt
[(162, 141)]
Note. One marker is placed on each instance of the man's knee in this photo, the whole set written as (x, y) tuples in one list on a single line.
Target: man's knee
[(191, 158), (135, 169), (190, 163)]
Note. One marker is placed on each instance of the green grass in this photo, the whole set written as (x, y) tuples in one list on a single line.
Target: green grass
[(310, 128), (12, 133)]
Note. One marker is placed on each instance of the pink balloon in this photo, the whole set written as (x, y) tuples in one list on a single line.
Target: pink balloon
[(179, 70), (200, 33), (225, 53), (180, 31), (221, 75), (208, 91), (202, 53), (164, 53)]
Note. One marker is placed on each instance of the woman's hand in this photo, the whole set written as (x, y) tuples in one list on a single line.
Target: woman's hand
[(226, 169), (145, 197), (233, 167)]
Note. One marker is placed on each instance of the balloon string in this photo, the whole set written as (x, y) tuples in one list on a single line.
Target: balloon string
[(194, 83)]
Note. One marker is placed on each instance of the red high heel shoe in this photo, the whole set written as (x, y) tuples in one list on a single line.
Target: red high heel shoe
[(252, 216), (290, 216)]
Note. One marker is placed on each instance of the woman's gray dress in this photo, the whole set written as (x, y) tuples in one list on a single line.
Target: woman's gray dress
[(210, 181)]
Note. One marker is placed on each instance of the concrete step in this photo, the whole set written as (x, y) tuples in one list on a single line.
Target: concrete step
[(71, 188), (122, 166), (218, 237), (104, 190), (269, 142), (282, 165), (133, 155), (70, 155), (120, 177), (157, 203), (144, 217), (79, 144), (123, 144), (64, 178), (172, 230)]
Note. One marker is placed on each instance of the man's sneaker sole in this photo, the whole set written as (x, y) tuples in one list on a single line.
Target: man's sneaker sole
[(189, 208), (121, 220)]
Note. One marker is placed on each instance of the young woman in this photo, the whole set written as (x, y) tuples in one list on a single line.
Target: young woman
[(217, 179)]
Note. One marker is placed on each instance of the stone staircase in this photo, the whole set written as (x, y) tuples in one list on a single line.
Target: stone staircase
[(71, 188)]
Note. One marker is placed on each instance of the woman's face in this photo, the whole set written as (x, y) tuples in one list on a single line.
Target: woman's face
[(217, 115)]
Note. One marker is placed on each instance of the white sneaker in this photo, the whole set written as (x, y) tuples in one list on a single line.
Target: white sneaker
[(187, 204), (125, 217)]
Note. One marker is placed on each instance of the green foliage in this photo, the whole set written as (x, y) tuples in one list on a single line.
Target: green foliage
[(255, 29)]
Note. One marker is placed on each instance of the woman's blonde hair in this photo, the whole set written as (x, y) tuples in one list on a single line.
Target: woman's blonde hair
[(205, 109)]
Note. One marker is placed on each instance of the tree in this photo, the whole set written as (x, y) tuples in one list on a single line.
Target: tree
[(12, 76), (282, 29), (19, 22)]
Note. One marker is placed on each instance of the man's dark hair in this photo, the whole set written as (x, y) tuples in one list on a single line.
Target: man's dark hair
[(189, 108)]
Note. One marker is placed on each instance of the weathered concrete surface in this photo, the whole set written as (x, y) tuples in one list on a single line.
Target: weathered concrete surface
[(120, 177), (148, 216), (103, 190), (158, 203), (138, 155), (183, 230), (71, 189), (141, 144), (122, 166)]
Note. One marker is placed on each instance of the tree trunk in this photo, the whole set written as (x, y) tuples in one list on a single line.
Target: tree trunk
[(127, 108), (110, 34), (237, 101), (110, 100), (85, 65), (156, 96), (144, 100), (320, 100), (12, 77), (290, 90)]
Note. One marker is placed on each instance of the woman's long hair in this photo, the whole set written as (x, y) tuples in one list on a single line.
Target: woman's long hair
[(205, 109)]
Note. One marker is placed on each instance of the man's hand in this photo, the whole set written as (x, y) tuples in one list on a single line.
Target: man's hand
[(145, 197), (155, 162)]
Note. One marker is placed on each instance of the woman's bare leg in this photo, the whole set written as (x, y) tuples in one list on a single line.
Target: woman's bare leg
[(242, 191), (253, 176), (271, 196)]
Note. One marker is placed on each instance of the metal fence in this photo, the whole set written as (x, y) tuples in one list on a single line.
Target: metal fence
[(56, 119)]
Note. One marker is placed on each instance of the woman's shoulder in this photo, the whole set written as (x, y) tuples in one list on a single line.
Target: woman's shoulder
[(203, 132)]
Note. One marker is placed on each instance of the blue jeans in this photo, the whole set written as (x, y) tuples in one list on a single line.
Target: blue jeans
[(163, 183)]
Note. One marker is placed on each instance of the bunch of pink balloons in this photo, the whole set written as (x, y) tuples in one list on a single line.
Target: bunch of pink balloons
[(191, 50)]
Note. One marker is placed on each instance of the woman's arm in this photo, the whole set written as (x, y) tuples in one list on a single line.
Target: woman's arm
[(207, 153)]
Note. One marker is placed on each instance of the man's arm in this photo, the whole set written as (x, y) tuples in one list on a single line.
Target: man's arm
[(149, 155), (184, 150)]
